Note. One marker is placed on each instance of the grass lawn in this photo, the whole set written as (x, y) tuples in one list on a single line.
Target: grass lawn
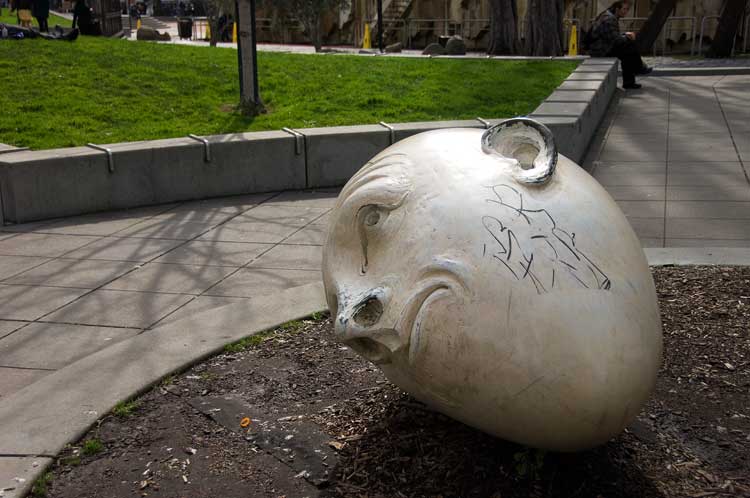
[(9, 17), (59, 94)]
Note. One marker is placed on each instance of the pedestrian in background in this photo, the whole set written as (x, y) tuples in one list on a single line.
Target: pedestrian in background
[(40, 10)]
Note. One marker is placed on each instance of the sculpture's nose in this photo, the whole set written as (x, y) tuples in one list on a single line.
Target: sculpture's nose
[(358, 326)]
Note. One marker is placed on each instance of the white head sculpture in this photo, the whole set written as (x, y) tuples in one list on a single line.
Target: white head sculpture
[(498, 283)]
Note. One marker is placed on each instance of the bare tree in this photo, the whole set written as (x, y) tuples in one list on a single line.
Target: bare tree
[(729, 22), (503, 27), (649, 33), (544, 28), (309, 13)]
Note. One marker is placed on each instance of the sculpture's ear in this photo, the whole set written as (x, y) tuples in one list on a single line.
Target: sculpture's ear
[(529, 142)]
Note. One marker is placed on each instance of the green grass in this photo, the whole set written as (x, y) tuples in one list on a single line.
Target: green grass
[(250, 342), (9, 17), (91, 447), (102, 90), (39, 489), (125, 408)]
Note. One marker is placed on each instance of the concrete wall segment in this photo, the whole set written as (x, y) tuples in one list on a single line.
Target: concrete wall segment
[(36, 185)]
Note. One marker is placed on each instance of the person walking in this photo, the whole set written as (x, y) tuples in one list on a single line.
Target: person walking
[(23, 12), (40, 9), (607, 41)]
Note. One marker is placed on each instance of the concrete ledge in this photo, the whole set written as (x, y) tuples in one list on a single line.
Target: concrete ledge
[(700, 71), (42, 418), (584, 97), (38, 185)]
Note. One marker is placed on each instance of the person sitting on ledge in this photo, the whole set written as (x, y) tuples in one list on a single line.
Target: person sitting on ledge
[(607, 41)]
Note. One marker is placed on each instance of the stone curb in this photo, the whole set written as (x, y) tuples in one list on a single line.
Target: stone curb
[(37, 185), (39, 420), (690, 256)]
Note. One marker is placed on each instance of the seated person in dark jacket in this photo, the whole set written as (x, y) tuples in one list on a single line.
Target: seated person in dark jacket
[(607, 41)]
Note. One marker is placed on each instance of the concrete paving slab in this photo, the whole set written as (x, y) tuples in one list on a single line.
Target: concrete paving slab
[(646, 242), (642, 209), (707, 229), (46, 245), (26, 227), (94, 224), (124, 249), (176, 278), (46, 415), (631, 179), (214, 253), (648, 228), (323, 199), (53, 345), (7, 327), (715, 167), (701, 151), (298, 216), (702, 243), (17, 474), (22, 302), (234, 204), (198, 305), (13, 265), (253, 282), (293, 257), (637, 193), (166, 228), (255, 232), (15, 379), (729, 180), (709, 209), (310, 235), (699, 256), (624, 152), (625, 168), (323, 220), (119, 308), (709, 193), (77, 273)]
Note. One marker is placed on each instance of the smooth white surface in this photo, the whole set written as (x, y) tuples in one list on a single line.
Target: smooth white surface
[(527, 311)]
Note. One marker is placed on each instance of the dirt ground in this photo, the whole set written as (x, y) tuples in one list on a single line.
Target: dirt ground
[(321, 422)]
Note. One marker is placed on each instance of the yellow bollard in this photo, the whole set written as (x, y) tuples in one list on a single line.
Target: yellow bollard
[(366, 43), (573, 43), (234, 32), (138, 24)]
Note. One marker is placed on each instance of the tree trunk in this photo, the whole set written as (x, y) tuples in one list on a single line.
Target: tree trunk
[(503, 27), (250, 103), (315, 33), (649, 33), (213, 21), (544, 28), (729, 22)]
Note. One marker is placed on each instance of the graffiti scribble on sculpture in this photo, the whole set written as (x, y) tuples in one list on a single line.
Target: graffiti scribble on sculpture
[(528, 244)]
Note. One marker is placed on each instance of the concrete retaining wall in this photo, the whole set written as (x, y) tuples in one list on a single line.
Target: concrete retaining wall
[(36, 185)]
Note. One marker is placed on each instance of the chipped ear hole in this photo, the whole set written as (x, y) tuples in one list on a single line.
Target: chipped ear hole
[(529, 142)]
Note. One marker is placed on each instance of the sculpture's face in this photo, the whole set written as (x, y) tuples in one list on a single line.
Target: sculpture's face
[(485, 289)]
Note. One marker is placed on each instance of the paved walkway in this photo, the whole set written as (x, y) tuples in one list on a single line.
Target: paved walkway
[(71, 287), (676, 157)]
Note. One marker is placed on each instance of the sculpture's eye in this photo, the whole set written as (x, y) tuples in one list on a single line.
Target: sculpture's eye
[(369, 219)]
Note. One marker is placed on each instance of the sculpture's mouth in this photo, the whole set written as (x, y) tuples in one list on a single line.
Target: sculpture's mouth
[(438, 281)]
